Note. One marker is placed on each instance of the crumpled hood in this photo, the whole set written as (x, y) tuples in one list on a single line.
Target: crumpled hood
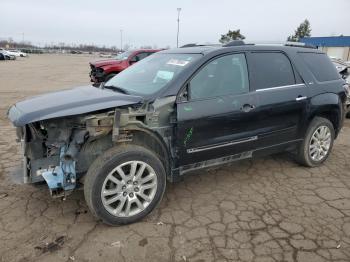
[(101, 63), (68, 102)]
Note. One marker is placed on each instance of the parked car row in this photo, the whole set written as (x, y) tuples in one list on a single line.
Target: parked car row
[(11, 54)]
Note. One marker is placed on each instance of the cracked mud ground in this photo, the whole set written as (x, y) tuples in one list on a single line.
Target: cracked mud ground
[(269, 209)]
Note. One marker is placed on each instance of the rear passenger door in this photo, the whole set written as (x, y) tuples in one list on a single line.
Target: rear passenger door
[(282, 97)]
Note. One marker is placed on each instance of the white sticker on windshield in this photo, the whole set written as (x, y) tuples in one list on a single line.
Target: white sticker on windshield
[(165, 75), (177, 62)]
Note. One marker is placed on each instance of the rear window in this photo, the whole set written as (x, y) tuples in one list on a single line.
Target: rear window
[(321, 66), (270, 69)]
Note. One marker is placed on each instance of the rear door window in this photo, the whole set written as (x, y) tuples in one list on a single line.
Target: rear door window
[(321, 66), (270, 69)]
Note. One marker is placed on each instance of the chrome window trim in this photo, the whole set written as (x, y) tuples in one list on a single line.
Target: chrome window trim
[(235, 142), (279, 87)]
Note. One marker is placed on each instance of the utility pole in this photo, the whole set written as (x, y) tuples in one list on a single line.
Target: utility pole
[(178, 26), (22, 38), (121, 39)]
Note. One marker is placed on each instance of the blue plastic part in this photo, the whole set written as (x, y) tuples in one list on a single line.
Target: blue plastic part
[(63, 176)]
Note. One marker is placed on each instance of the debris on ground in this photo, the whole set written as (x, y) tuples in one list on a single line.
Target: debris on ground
[(3, 195), (160, 223), (116, 244), (339, 245), (52, 246), (72, 258), (143, 242), (78, 212)]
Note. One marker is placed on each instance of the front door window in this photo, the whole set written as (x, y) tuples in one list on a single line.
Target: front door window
[(226, 75)]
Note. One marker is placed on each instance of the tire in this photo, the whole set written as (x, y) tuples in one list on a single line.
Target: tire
[(108, 165), (348, 115), (109, 76), (323, 144)]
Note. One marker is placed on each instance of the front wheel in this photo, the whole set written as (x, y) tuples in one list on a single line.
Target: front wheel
[(124, 184), (317, 144)]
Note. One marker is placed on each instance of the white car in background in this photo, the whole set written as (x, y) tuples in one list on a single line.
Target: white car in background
[(17, 53), (7, 55)]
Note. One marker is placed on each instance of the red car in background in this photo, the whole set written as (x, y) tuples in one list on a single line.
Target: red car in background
[(103, 70)]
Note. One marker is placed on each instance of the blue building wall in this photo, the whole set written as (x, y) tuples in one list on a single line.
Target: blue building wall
[(331, 41)]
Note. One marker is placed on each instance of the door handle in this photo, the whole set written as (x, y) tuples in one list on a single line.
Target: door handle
[(300, 98), (247, 108)]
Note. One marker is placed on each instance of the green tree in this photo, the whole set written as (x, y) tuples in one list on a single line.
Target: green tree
[(231, 35), (303, 30)]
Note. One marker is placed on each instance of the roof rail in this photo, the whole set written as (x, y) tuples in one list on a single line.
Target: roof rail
[(196, 45), (288, 43), (190, 45), (234, 43)]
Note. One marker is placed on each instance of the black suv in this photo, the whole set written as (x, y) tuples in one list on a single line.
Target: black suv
[(177, 111)]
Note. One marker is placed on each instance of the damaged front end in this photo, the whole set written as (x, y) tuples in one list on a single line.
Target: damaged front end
[(62, 133), (60, 150)]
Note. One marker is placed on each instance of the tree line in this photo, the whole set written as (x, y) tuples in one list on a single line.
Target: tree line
[(303, 30), (60, 46)]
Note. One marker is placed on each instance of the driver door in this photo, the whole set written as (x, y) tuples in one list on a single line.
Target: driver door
[(217, 119)]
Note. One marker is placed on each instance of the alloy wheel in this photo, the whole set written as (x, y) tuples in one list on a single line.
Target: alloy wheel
[(129, 188), (320, 143)]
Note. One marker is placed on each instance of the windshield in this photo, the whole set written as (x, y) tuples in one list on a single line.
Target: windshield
[(123, 56), (152, 73)]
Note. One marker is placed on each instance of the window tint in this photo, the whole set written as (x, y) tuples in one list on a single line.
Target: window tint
[(222, 76), (321, 66), (140, 56), (270, 70)]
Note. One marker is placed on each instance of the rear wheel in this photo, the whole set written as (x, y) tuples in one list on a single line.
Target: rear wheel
[(318, 143), (124, 184)]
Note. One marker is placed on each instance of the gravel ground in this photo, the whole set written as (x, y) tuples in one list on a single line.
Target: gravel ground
[(268, 209)]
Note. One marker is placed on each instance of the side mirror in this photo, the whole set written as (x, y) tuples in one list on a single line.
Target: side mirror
[(185, 94), (134, 59)]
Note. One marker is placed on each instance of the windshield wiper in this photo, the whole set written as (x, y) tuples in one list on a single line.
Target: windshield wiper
[(118, 89)]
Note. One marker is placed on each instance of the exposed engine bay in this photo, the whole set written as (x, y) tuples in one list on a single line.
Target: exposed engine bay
[(60, 150)]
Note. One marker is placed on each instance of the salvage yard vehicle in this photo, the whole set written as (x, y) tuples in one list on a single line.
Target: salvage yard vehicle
[(102, 71), (175, 112), (17, 53), (7, 55), (344, 70)]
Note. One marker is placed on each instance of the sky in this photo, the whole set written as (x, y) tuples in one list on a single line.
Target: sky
[(154, 22)]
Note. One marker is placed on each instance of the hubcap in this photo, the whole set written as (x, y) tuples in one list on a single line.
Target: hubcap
[(129, 188), (320, 143)]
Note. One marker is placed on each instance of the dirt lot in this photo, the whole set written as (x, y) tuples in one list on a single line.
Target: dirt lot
[(268, 209)]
